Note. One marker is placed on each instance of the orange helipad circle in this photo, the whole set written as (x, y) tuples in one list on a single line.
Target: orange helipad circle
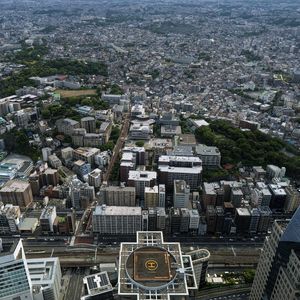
[(151, 264)]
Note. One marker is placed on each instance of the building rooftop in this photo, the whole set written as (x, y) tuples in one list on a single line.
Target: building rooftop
[(8, 247), (210, 188), (142, 175), (97, 284), (86, 151), (199, 123), (187, 139), (192, 170), (152, 269), (117, 210), (47, 212), (277, 189), (168, 158), (207, 150), (292, 231), (87, 119), (153, 190), (28, 224), (95, 173), (50, 171), (243, 211), (180, 186), (42, 270), (118, 188), (15, 186)]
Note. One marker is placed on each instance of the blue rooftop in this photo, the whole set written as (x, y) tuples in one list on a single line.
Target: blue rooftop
[(292, 232)]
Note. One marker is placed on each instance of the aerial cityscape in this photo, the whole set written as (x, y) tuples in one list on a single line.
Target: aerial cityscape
[(149, 150)]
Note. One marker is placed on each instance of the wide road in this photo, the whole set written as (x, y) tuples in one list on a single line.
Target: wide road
[(75, 285), (118, 146), (233, 293), (84, 255)]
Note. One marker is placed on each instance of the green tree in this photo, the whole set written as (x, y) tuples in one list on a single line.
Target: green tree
[(46, 113), (140, 143), (249, 275)]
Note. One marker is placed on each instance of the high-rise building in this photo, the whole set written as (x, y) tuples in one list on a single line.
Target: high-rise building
[(151, 196), (14, 280), (200, 260), (175, 220), (209, 196), (117, 195), (94, 178), (292, 200), (194, 220), (138, 154), (47, 218), (87, 154), (261, 196), (152, 219), (117, 219), (46, 152), (66, 126), (161, 218), (78, 137), (27, 279), (140, 180), (254, 220), (81, 194), (210, 156), (242, 220), (278, 272), (153, 269), (105, 130), (265, 219), (187, 168), (16, 192), (45, 277), (89, 124), (127, 164), (54, 161), (161, 195), (97, 287), (67, 153), (219, 219), (236, 197), (184, 220), (9, 219), (211, 219), (51, 177), (181, 195), (93, 140), (278, 197)]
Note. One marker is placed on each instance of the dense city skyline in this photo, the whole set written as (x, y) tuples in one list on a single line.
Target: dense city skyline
[(149, 149)]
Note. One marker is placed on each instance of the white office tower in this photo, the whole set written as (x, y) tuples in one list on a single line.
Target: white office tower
[(140, 180), (181, 194), (194, 220), (46, 152), (94, 178), (45, 276), (81, 194), (47, 218), (117, 219), (200, 258), (14, 275), (152, 269), (278, 272), (97, 286), (161, 195)]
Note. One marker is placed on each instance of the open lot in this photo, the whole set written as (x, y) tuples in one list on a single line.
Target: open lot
[(76, 93)]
